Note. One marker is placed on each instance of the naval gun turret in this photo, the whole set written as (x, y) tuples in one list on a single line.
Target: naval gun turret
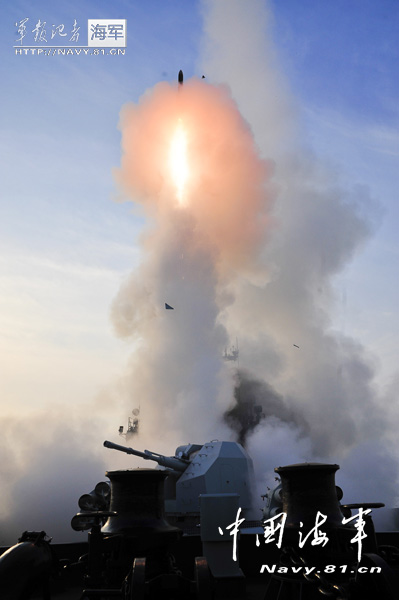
[(216, 467)]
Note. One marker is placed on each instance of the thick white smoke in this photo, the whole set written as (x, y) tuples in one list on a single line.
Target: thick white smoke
[(251, 253), (318, 226), (50, 458), (197, 245)]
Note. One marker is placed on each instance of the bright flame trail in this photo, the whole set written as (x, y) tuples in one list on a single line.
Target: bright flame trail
[(179, 162)]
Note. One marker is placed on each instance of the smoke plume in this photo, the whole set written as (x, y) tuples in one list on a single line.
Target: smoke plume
[(49, 459), (255, 401), (249, 250), (199, 243), (332, 409)]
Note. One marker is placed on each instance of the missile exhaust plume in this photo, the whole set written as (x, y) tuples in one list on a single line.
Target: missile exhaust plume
[(197, 140), (190, 160)]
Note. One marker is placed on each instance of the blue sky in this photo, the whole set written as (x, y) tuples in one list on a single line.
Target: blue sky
[(66, 246), (349, 46), (341, 59)]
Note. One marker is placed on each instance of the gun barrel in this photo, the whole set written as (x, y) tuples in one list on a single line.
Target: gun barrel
[(125, 449), (171, 462)]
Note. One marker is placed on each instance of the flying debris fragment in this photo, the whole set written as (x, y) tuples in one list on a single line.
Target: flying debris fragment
[(168, 307), (180, 77)]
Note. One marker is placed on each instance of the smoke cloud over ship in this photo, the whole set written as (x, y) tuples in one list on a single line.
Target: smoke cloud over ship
[(330, 407), (246, 231), (246, 245)]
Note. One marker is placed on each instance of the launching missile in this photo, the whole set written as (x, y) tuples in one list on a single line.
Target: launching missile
[(180, 77)]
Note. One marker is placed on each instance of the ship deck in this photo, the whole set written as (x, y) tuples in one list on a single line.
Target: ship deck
[(69, 585)]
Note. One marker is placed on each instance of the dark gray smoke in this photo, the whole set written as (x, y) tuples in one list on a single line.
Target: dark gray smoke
[(254, 401)]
